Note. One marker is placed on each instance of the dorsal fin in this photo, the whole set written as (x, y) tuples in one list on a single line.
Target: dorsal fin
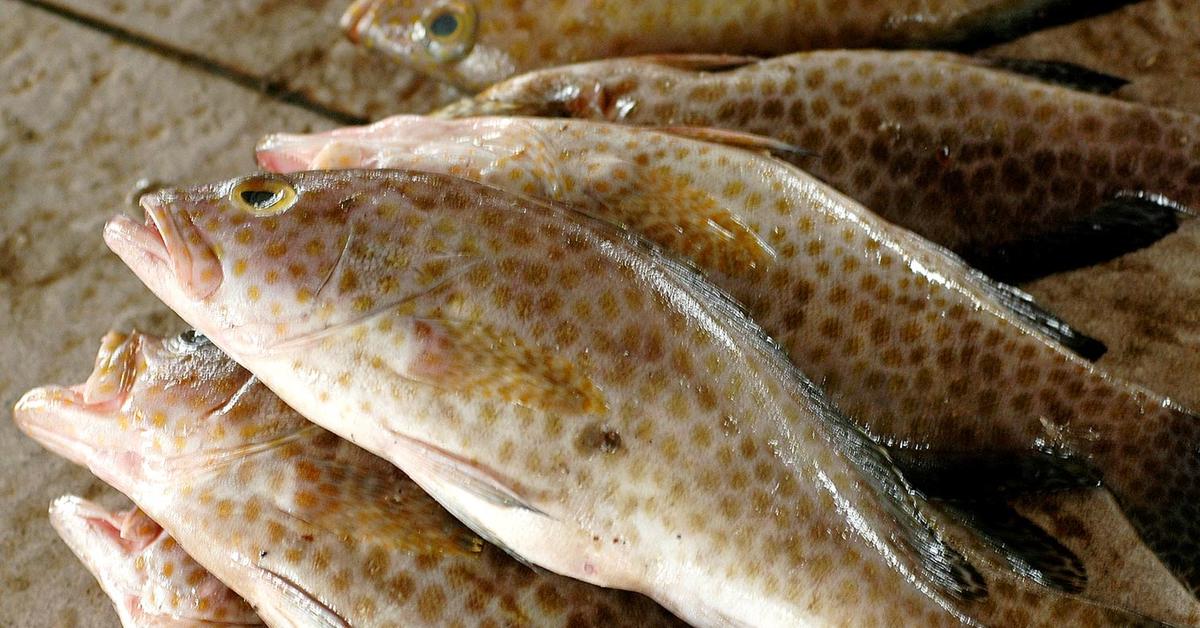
[(738, 139), (699, 62)]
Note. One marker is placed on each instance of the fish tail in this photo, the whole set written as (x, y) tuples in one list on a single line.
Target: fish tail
[(1152, 468)]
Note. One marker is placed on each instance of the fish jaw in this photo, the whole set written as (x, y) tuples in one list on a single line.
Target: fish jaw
[(94, 536), (86, 434)]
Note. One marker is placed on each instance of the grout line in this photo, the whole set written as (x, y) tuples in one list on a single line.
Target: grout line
[(271, 88)]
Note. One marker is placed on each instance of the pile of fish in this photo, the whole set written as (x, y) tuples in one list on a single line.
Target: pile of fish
[(619, 343)]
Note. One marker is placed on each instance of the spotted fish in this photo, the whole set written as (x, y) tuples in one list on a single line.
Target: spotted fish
[(1019, 175), (152, 581), (473, 43), (310, 529), (956, 372), (566, 390)]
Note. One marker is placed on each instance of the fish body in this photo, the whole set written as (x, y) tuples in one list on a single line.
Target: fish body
[(152, 581), (308, 528), (925, 354), (473, 43), (969, 154), (567, 391)]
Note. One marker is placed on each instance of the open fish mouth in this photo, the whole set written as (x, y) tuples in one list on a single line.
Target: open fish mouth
[(166, 242), (60, 419)]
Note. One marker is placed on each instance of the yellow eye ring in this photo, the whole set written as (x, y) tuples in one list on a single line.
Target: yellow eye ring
[(263, 195), (447, 30)]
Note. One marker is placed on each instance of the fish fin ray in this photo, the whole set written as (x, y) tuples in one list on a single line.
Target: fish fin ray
[(1060, 73), (669, 209), (979, 476), (1030, 551), (738, 139), (699, 62), (470, 357), (1121, 225)]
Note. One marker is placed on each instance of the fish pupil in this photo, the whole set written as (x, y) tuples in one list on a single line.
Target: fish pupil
[(193, 337), (262, 199), (444, 25)]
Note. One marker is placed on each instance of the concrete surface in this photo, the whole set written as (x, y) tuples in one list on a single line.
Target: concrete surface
[(83, 116)]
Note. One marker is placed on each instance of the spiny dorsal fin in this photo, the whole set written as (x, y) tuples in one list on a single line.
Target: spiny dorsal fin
[(738, 139), (699, 62)]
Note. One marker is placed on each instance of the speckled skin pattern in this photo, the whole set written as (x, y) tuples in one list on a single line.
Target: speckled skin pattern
[(901, 336), (152, 581), (512, 36), (965, 155), (565, 390), (309, 528)]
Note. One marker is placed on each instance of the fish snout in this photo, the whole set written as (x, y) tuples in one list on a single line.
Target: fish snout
[(58, 418), (192, 258)]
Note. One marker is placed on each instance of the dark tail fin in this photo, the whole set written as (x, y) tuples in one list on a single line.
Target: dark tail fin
[(1152, 469), (1117, 227)]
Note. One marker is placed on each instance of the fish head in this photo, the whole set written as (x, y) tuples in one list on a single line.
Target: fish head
[(150, 578), (305, 254), (466, 43), (151, 406), (506, 152), (253, 255)]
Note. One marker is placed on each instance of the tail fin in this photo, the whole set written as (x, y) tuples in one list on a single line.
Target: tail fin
[(1152, 468)]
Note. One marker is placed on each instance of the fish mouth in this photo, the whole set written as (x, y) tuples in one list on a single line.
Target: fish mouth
[(61, 420), (167, 241), (96, 537), (356, 21)]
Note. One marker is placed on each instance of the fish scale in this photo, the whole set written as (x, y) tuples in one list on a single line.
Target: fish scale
[(473, 43), (308, 528), (680, 455), (912, 344), (957, 149)]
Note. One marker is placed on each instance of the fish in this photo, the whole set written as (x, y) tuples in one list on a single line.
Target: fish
[(152, 581), (960, 376), (306, 527), (991, 158), (474, 43), (809, 263), (568, 391)]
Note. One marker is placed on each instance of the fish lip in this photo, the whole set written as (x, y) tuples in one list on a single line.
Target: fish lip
[(355, 21), (94, 535), (173, 230), (38, 411)]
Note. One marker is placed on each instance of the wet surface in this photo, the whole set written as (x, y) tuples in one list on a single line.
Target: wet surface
[(105, 93)]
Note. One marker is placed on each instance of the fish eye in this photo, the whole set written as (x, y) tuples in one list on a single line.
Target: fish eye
[(193, 338), (447, 30), (263, 195)]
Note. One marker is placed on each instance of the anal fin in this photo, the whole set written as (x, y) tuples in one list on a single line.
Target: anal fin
[(1029, 550), (1122, 225)]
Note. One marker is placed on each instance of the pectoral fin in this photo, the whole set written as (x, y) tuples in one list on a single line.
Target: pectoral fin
[(474, 359), (299, 601), (974, 476), (739, 139)]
